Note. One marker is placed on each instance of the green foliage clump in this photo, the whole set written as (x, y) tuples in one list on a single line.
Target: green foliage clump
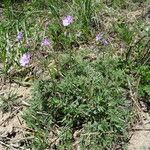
[(88, 97), (83, 103), (9, 102), (144, 86)]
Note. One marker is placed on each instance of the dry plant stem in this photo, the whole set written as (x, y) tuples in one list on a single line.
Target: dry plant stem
[(140, 129), (54, 140), (136, 104), (22, 139), (22, 131), (25, 128), (7, 145), (55, 56), (25, 104), (132, 46), (42, 113), (24, 84), (146, 56), (98, 133)]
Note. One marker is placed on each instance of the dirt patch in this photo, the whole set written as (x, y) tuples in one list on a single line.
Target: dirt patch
[(140, 139), (12, 126)]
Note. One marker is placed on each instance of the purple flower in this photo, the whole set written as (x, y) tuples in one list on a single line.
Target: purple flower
[(25, 59), (20, 36), (104, 42), (45, 42), (67, 20), (99, 37)]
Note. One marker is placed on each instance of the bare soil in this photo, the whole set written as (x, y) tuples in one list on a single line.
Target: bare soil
[(12, 126), (140, 139)]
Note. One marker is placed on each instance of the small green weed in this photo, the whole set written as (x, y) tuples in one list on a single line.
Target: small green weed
[(144, 86), (8, 102)]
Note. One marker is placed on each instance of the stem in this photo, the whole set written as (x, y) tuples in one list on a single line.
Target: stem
[(131, 47)]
